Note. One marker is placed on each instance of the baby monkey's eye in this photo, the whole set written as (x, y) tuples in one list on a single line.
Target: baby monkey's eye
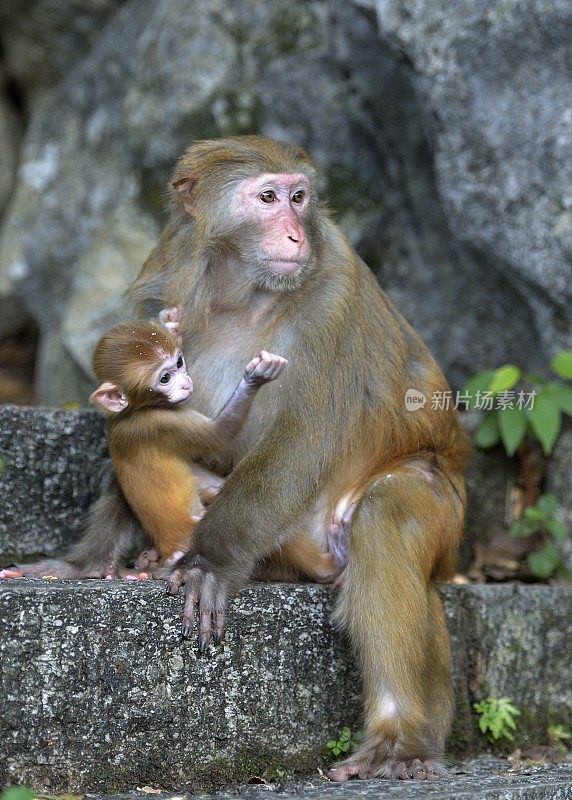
[(268, 196), (298, 197), (180, 362), (165, 378)]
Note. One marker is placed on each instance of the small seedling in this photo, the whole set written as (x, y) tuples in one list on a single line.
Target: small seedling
[(558, 735), (345, 743), (496, 718), (539, 520)]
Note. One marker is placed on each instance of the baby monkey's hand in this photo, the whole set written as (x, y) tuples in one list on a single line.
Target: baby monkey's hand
[(264, 367), (170, 319)]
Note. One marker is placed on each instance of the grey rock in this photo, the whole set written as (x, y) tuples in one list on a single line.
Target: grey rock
[(493, 80), (489, 476), (41, 39), (559, 481), (482, 779), (101, 146), (99, 691), (10, 140), (50, 470)]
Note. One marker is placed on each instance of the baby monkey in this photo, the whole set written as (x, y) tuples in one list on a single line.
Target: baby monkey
[(155, 442)]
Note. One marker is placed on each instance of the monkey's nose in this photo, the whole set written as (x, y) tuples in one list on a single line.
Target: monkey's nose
[(293, 238)]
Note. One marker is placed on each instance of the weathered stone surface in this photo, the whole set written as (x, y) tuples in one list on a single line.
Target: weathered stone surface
[(481, 779), (99, 691), (559, 481), (10, 140), (101, 146), (493, 80), (49, 473), (111, 697), (41, 39)]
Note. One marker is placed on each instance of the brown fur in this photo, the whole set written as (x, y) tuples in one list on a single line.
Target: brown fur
[(338, 425)]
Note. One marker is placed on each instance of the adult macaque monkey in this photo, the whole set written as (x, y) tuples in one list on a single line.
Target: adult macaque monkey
[(257, 261)]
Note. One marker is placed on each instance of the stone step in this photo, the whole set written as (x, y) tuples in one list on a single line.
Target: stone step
[(481, 779), (50, 468), (99, 692)]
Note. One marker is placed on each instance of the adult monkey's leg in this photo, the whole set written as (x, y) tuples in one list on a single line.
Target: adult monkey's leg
[(404, 535)]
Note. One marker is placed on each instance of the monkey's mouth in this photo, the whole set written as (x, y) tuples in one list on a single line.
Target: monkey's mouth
[(283, 266)]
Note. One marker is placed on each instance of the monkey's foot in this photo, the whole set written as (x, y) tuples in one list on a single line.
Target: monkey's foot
[(147, 558), (413, 769), (10, 573)]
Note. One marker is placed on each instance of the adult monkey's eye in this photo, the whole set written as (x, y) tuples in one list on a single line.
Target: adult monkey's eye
[(180, 362), (267, 196), (298, 197), (165, 378)]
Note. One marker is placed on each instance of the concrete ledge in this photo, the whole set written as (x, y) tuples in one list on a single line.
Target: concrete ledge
[(50, 470), (98, 691), (482, 779)]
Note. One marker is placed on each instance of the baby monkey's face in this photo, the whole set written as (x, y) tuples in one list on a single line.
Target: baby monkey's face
[(172, 379)]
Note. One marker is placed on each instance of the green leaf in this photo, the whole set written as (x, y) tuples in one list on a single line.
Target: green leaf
[(504, 378), (563, 396), (544, 562), (545, 420), (512, 426), (17, 793), (546, 504), (532, 377), (487, 434), (524, 527), (562, 364), (478, 383), (557, 530), (533, 513)]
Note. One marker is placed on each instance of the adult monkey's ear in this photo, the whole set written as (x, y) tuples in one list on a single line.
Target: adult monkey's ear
[(184, 187)]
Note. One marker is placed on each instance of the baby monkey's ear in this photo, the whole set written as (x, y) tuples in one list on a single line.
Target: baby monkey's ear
[(109, 397)]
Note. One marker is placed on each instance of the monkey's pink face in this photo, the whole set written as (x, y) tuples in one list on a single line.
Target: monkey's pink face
[(277, 203), (173, 381)]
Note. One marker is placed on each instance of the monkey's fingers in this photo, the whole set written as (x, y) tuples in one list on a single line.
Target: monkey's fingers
[(338, 544), (213, 611), (251, 366), (175, 580), (269, 366), (194, 583), (170, 315)]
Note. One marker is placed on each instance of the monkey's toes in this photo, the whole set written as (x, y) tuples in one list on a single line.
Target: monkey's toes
[(10, 573), (418, 770)]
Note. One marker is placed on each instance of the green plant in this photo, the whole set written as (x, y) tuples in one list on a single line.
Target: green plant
[(539, 520), (496, 718), (345, 743), (557, 736), (518, 404), (17, 793)]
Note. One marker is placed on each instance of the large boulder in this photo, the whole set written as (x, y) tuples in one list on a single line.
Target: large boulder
[(101, 145), (493, 82)]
